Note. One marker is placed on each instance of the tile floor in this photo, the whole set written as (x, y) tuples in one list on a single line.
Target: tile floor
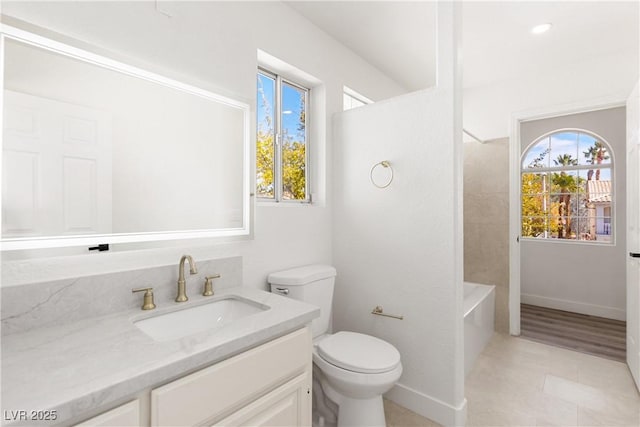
[(516, 382), (398, 416)]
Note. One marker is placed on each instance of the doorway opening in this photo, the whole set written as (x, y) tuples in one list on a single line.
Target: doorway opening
[(567, 213)]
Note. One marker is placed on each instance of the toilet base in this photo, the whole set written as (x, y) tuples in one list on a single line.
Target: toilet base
[(361, 412), (331, 409), (325, 411)]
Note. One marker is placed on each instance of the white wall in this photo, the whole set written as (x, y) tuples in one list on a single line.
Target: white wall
[(401, 247), (213, 45), (488, 109), (580, 277)]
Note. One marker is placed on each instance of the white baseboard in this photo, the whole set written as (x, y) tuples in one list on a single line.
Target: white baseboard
[(427, 406), (575, 306)]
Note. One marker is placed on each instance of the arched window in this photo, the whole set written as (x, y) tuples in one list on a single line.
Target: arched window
[(567, 188)]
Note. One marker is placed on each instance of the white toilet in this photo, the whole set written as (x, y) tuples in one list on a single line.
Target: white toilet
[(351, 370)]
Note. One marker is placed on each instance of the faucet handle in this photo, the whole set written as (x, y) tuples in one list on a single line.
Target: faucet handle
[(148, 303), (208, 285)]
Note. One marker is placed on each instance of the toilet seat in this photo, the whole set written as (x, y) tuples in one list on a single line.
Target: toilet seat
[(358, 353)]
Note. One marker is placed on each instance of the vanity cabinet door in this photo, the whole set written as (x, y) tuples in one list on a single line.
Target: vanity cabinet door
[(288, 405), (227, 387), (124, 416)]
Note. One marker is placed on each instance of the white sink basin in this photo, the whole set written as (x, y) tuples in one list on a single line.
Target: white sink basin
[(191, 320)]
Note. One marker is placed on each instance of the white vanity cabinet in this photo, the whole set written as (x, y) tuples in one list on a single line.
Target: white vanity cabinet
[(127, 415), (267, 385)]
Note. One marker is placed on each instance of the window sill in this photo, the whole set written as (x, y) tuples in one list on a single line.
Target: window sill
[(568, 242), (266, 203)]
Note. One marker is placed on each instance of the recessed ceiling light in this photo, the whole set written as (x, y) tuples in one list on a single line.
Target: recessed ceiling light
[(542, 28)]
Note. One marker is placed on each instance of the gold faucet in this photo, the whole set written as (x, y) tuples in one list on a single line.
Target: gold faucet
[(148, 303), (182, 294), (208, 286)]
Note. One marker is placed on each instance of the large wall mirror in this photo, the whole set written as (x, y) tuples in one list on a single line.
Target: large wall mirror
[(97, 151)]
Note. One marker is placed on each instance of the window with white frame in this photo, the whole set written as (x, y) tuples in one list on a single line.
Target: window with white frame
[(282, 150), (352, 99), (567, 188)]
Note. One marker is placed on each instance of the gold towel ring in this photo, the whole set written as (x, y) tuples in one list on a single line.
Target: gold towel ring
[(385, 164)]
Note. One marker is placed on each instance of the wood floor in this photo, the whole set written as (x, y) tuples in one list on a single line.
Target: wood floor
[(588, 334)]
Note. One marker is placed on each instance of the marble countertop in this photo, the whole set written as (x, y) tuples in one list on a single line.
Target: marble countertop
[(79, 367)]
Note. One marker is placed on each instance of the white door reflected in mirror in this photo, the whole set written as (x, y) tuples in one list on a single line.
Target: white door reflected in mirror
[(56, 168)]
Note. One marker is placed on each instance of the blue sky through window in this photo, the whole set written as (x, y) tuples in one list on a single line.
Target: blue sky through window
[(293, 102), (292, 108), (534, 154), (571, 143), (265, 103)]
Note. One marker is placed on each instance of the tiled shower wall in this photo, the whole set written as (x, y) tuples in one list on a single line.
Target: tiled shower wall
[(486, 220)]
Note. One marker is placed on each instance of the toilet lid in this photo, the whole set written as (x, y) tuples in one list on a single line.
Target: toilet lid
[(359, 353)]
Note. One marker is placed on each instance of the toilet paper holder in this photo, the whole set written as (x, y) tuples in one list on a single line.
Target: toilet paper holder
[(378, 311)]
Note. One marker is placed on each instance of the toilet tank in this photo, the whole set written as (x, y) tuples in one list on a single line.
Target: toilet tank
[(312, 284)]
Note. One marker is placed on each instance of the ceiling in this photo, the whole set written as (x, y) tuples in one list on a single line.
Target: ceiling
[(498, 44), (398, 37)]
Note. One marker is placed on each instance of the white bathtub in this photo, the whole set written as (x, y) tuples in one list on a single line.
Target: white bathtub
[(479, 311)]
